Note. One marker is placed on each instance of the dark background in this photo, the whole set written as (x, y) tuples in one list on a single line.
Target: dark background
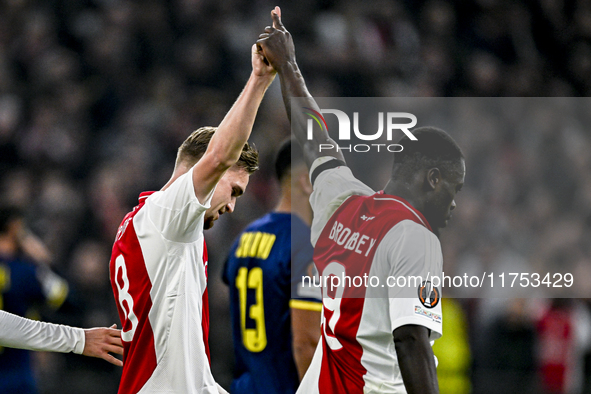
[(96, 96)]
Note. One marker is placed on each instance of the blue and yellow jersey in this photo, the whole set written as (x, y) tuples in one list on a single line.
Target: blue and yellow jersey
[(24, 285), (259, 272)]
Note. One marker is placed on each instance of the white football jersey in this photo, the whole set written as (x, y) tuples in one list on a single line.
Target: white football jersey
[(359, 233), (159, 278)]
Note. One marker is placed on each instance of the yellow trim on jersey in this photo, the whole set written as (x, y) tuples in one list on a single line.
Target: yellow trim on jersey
[(306, 305), (59, 293)]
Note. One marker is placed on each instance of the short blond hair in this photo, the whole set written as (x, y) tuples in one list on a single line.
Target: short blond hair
[(194, 147)]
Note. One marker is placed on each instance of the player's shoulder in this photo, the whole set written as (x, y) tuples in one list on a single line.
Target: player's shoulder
[(269, 221), (411, 229), (329, 172), (341, 175), (267, 231), (298, 225), (411, 234)]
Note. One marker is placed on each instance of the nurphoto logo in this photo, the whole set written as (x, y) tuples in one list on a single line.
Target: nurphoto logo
[(402, 121)]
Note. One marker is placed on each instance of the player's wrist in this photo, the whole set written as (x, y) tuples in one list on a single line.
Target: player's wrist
[(289, 67), (292, 78), (262, 80)]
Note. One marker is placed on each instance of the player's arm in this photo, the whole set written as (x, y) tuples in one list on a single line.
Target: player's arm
[(305, 327), (34, 247), (22, 333), (411, 250), (227, 142), (277, 47), (306, 303), (415, 358)]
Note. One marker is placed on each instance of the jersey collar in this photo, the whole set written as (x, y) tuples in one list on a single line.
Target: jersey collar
[(145, 195), (406, 204)]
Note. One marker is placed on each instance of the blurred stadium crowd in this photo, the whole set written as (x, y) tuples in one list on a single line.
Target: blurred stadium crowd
[(96, 96)]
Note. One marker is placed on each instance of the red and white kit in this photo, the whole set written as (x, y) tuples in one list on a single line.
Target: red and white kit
[(358, 232), (158, 273)]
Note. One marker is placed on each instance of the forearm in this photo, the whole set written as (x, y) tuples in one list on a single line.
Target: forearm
[(18, 332), (234, 130), (418, 373), (417, 365), (294, 86), (305, 326), (303, 354)]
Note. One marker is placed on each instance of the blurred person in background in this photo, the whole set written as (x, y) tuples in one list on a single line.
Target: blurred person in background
[(453, 350), (26, 281), (275, 319), (504, 348), (563, 333)]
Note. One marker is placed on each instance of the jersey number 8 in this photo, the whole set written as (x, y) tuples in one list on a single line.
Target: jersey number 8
[(125, 298)]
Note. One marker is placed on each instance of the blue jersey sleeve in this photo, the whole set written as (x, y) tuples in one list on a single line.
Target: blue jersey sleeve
[(24, 284)]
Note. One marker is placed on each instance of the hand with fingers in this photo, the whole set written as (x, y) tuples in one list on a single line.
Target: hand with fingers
[(260, 66), (101, 342), (276, 43)]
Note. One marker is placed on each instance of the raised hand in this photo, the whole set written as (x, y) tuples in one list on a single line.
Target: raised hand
[(260, 65), (276, 43)]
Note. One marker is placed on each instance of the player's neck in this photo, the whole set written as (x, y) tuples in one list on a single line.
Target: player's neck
[(298, 206), (406, 191), (178, 171), (284, 205)]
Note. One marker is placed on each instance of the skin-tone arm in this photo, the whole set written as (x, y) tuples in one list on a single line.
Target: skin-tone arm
[(226, 144), (415, 358), (33, 247), (100, 342), (305, 328), (277, 47)]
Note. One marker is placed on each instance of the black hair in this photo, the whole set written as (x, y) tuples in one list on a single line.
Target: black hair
[(289, 154), (8, 214), (433, 148)]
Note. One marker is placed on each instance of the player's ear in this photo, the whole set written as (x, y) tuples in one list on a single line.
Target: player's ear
[(304, 182), (433, 177)]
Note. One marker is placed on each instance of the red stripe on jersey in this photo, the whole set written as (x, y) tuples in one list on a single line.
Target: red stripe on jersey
[(139, 355), (347, 245), (341, 371), (205, 310)]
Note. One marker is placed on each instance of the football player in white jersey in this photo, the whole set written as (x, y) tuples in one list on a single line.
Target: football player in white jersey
[(374, 340), (159, 261)]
